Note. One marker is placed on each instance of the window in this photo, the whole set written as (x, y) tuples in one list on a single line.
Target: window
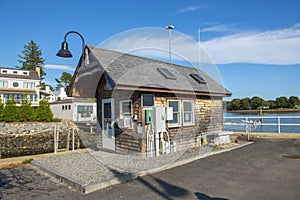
[(4, 71), (166, 73), (29, 85), (69, 107), (33, 97), (125, 108), (188, 112), (175, 104), (15, 72), (148, 100), (62, 107), (3, 84), (25, 73), (15, 84), (18, 98), (125, 114), (198, 78), (85, 111)]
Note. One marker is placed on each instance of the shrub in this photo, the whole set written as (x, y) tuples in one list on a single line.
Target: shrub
[(43, 113), (10, 112), (26, 111)]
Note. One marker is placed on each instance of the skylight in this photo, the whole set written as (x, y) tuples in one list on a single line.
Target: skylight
[(166, 73), (198, 78)]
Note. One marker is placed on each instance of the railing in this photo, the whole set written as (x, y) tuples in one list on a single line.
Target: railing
[(279, 124)]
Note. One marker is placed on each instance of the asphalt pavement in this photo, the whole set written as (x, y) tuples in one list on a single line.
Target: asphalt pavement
[(267, 169)]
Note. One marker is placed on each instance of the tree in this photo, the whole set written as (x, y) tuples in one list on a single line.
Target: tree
[(64, 80), (32, 58), (293, 101), (10, 112), (25, 111), (43, 113), (235, 104), (245, 103), (256, 102), (282, 102)]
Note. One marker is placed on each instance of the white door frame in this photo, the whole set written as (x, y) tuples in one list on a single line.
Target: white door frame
[(108, 130)]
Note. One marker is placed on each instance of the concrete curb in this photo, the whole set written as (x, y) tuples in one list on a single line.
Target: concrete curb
[(91, 187)]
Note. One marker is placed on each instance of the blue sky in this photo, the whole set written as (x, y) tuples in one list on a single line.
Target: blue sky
[(254, 44)]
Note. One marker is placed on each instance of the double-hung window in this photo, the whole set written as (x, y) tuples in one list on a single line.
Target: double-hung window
[(183, 113), (176, 122), (126, 113), (188, 112)]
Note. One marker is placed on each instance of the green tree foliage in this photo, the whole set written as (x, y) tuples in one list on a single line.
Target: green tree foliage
[(25, 111), (10, 112), (43, 113), (294, 101), (64, 80), (257, 102), (31, 58), (245, 104), (282, 102), (1, 110)]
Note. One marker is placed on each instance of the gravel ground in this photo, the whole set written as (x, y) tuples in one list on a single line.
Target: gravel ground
[(101, 166)]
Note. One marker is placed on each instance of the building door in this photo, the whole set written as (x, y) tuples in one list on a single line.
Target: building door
[(108, 132)]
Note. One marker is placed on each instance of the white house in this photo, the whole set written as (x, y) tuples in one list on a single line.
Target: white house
[(75, 109), (16, 84)]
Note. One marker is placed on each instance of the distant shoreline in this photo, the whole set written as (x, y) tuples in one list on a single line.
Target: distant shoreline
[(270, 111)]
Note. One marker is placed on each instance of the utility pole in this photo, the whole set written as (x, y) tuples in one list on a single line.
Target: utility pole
[(170, 28)]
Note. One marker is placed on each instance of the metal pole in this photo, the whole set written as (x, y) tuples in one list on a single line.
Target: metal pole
[(170, 27)]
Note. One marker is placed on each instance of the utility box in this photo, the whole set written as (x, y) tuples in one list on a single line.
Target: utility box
[(148, 116), (159, 119)]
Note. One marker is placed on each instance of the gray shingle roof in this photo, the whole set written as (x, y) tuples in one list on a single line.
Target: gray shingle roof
[(135, 71)]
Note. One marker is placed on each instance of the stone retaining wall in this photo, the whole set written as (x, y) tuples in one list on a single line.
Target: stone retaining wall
[(20, 139)]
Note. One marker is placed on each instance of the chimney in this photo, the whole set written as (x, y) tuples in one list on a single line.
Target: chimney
[(38, 69)]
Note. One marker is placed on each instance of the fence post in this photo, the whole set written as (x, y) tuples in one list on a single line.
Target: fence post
[(55, 138), (278, 120), (73, 140), (68, 141)]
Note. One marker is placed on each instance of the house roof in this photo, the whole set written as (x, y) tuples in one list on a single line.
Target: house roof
[(123, 70), (33, 74), (74, 100)]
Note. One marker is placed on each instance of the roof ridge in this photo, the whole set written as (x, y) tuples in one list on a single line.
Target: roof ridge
[(141, 57)]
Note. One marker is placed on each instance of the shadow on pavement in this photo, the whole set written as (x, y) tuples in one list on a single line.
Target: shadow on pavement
[(164, 189), (202, 196)]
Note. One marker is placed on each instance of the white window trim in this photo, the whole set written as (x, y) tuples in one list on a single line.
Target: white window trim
[(173, 125), (193, 114), (121, 108)]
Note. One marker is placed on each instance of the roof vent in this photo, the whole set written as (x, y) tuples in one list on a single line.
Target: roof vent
[(198, 78)]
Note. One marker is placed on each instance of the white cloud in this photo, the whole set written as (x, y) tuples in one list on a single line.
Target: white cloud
[(218, 28), (60, 67), (189, 9), (277, 47)]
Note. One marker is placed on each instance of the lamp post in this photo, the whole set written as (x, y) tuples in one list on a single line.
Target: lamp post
[(64, 51), (170, 27)]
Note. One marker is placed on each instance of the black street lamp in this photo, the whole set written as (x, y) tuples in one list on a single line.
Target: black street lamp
[(64, 51)]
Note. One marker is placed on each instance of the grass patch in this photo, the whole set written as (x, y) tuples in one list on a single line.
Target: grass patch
[(27, 161)]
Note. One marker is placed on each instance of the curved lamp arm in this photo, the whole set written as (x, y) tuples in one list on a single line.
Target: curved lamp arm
[(64, 51)]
